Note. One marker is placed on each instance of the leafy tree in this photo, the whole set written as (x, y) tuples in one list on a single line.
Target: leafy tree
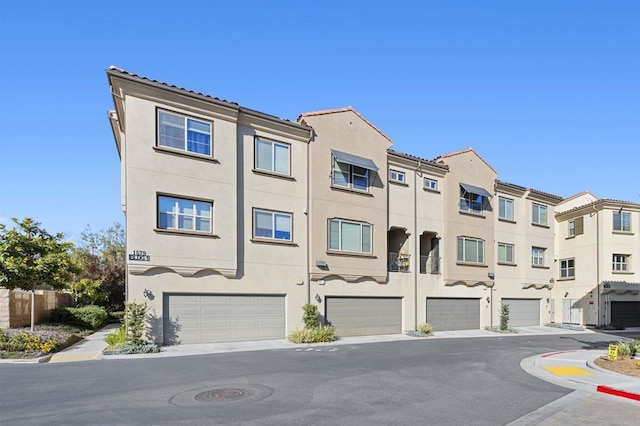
[(504, 317), (30, 256), (102, 257)]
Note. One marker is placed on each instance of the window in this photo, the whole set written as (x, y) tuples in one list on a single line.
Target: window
[(537, 256), (184, 133), (567, 268), (272, 225), (272, 156), (184, 214), (505, 208), (505, 253), (396, 176), (539, 214), (622, 221), (430, 184), (620, 263), (470, 202), (470, 250), (576, 226), (349, 236), (350, 176)]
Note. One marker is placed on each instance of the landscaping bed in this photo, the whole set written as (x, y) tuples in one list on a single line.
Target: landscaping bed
[(623, 365), (22, 343)]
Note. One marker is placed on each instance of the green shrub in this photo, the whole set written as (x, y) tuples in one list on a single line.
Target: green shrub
[(29, 342), (116, 338), (322, 333), (424, 328), (4, 337), (147, 348), (134, 322), (86, 316), (629, 348), (504, 317), (310, 316)]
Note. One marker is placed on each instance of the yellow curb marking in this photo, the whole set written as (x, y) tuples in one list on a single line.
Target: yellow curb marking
[(568, 371), (69, 358)]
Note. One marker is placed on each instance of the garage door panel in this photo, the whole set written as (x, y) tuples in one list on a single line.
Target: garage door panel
[(625, 313), (523, 312), (453, 314), (360, 316)]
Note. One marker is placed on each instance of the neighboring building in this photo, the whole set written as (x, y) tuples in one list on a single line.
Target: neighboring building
[(236, 218)]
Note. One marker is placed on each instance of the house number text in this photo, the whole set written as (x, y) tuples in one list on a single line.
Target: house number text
[(140, 255)]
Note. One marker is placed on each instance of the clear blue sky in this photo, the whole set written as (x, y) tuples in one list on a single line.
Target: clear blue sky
[(547, 92)]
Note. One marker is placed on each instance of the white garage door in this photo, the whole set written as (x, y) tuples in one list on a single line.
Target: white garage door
[(453, 314), (523, 312), (361, 316), (206, 318)]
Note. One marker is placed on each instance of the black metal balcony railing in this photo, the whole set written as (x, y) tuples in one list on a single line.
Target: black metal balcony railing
[(398, 262), (429, 265)]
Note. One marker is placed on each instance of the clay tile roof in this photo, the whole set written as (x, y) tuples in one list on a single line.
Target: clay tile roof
[(416, 158)]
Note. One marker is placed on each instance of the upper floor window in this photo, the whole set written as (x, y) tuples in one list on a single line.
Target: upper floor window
[(431, 184), (272, 156), (622, 221), (537, 256), (539, 214), (272, 225), (505, 253), (184, 133), (349, 236), (472, 198), (505, 208), (620, 263), (576, 226), (351, 171), (396, 176), (567, 268), (184, 214), (470, 250)]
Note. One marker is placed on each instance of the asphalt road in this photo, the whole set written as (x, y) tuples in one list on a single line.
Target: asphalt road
[(472, 381)]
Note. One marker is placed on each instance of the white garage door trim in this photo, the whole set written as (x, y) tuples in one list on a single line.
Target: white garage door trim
[(362, 316), (453, 313), (522, 312), (211, 318)]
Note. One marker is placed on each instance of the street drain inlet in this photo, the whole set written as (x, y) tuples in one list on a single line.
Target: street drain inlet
[(223, 395)]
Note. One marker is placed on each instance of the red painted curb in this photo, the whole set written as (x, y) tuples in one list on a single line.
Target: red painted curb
[(555, 353), (617, 392)]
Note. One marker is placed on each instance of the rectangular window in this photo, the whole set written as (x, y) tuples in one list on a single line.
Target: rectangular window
[(505, 253), (537, 256), (431, 184), (349, 236), (184, 214), (567, 268), (396, 176), (272, 225), (539, 214), (470, 202), (470, 250), (350, 176), (576, 226), (272, 156), (184, 133), (505, 208), (620, 263), (622, 221)]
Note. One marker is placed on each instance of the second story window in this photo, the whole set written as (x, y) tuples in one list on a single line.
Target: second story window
[(184, 133), (272, 225), (350, 171), (349, 236), (472, 199), (576, 226), (539, 214), (396, 176), (537, 256), (505, 208), (620, 263), (272, 156), (567, 268), (184, 214), (470, 250), (622, 221), (505, 253), (430, 184)]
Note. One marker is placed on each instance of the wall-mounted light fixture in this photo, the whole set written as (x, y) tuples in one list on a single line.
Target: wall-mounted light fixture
[(491, 275), (566, 293), (488, 299), (547, 300), (148, 294), (321, 264), (318, 298)]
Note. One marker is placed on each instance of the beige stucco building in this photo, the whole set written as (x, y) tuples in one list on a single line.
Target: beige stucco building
[(235, 219)]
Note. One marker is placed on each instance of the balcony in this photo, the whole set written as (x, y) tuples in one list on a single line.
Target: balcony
[(429, 265), (398, 262)]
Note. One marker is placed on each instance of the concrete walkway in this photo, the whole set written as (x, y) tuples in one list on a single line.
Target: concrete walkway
[(89, 348)]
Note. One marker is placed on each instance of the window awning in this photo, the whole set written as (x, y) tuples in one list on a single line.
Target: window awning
[(354, 160), (476, 190)]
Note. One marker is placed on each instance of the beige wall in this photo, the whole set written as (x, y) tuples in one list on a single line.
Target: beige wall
[(15, 306)]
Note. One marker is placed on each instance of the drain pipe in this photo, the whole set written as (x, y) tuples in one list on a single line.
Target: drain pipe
[(597, 263), (416, 251)]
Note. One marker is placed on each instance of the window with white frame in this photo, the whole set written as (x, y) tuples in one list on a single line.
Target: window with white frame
[(184, 133), (272, 225), (576, 226), (272, 156), (471, 202), (505, 253), (349, 236), (505, 208), (184, 214), (350, 176), (537, 256), (396, 176), (567, 268), (622, 221), (431, 184), (539, 214), (470, 250), (620, 263)]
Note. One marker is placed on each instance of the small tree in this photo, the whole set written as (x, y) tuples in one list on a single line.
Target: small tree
[(134, 323), (310, 316), (504, 317), (30, 256), (88, 292)]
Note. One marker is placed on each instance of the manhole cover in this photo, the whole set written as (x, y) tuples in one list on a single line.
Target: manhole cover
[(223, 395)]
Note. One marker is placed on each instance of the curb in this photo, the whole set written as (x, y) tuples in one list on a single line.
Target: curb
[(617, 392), (38, 360)]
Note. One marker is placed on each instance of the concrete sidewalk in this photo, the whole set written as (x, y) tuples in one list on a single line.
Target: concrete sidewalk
[(89, 348)]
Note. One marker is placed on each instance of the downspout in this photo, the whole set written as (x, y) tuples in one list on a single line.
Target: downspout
[(597, 263), (307, 212), (416, 238)]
